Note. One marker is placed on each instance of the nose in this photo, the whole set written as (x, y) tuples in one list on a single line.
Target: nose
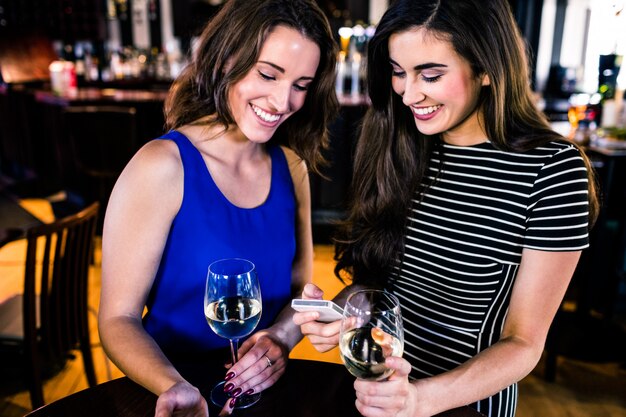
[(412, 92), (280, 98)]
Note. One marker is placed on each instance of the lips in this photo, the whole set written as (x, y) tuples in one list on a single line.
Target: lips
[(264, 116), (425, 113)]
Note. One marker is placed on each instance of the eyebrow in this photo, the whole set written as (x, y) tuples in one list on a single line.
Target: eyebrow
[(422, 67), (282, 70)]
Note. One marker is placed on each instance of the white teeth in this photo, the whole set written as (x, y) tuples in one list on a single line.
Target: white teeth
[(270, 118), (425, 110)]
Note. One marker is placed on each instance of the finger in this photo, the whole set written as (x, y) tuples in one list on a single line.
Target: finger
[(379, 393), (250, 383), (373, 400), (323, 337), (320, 341), (262, 380), (265, 383), (322, 348), (302, 318), (320, 329), (254, 367), (401, 366), (324, 344), (242, 352), (253, 361), (370, 395), (312, 291), (368, 410), (228, 408)]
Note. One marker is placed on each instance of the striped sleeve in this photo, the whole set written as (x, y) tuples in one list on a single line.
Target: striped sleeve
[(559, 207)]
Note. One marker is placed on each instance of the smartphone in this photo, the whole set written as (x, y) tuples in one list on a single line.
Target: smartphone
[(328, 310)]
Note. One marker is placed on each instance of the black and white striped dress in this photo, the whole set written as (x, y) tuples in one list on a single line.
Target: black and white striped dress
[(464, 245)]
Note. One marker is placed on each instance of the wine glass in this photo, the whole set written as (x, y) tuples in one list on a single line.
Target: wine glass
[(371, 331), (232, 307)]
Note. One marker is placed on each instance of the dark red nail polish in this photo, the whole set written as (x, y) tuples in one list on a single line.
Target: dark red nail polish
[(229, 376), (232, 402), (229, 387), (249, 392), (236, 393)]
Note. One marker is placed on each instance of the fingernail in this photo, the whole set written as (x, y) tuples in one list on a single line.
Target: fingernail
[(229, 387), (236, 393), (232, 402), (229, 376), (249, 392)]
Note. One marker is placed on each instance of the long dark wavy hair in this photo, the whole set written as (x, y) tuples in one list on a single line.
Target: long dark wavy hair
[(228, 48), (392, 156)]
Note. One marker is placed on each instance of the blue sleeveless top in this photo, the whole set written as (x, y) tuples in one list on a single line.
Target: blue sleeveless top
[(208, 227)]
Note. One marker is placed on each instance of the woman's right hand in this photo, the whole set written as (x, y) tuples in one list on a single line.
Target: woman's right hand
[(181, 400), (323, 336)]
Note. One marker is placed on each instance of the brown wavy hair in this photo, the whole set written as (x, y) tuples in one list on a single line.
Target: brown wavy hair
[(392, 156), (228, 48)]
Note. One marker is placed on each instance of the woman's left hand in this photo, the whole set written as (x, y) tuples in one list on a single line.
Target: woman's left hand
[(393, 397), (181, 399), (262, 360)]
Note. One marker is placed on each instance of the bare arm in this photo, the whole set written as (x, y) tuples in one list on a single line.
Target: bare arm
[(141, 208), (539, 288)]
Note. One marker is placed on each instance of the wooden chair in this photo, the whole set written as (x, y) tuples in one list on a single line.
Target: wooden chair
[(50, 318)]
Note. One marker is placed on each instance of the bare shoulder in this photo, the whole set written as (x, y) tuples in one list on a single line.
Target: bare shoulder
[(157, 161), (154, 174), (161, 152)]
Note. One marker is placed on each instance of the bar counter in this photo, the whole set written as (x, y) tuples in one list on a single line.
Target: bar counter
[(100, 96)]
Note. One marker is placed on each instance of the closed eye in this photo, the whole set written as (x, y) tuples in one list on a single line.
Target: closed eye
[(266, 77), (296, 87), (396, 70), (431, 79)]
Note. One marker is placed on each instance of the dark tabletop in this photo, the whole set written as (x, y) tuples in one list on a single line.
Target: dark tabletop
[(307, 389)]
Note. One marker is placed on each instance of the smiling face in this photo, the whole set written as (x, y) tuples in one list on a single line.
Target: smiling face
[(438, 85), (276, 85)]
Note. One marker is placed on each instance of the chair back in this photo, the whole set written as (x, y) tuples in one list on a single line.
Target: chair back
[(55, 304)]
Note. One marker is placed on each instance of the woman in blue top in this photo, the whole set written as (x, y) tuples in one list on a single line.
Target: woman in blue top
[(466, 206), (219, 185)]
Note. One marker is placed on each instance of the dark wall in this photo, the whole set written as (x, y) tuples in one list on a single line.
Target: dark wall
[(67, 20), (348, 10), (190, 16), (528, 16)]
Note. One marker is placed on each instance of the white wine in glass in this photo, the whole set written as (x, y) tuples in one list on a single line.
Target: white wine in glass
[(371, 331), (232, 307)]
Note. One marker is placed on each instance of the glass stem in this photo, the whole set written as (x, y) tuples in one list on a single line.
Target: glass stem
[(233, 349)]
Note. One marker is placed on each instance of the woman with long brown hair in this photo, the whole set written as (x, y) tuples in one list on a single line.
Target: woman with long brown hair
[(228, 180), (465, 205)]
